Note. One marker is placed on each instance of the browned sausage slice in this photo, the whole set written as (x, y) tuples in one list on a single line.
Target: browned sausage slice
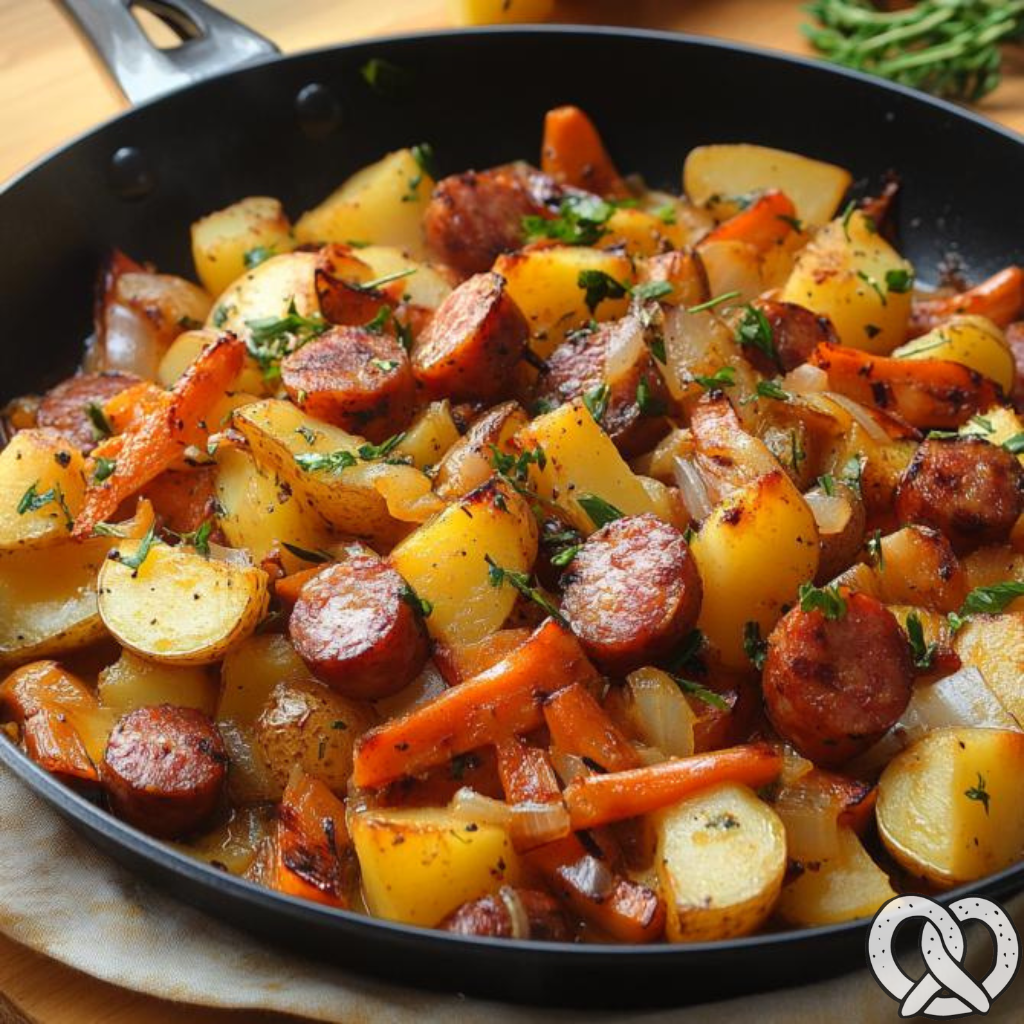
[(475, 339), (164, 769), (832, 687), (65, 407), (358, 627), (632, 593), (513, 913), (473, 218), (354, 378), (968, 489), (614, 355), (796, 331)]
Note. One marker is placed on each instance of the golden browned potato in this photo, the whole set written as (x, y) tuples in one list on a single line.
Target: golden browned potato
[(469, 462), (132, 682)]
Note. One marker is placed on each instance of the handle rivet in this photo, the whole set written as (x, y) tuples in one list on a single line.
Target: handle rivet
[(130, 175), (318, 110)]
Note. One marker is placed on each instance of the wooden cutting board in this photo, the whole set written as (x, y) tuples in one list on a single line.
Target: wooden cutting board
[(53, 88)]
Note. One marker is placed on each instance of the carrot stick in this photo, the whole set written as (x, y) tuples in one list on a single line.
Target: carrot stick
[(1000, 298), (310, 834), (579, 725), (501, 702), (156, 440), (765, 223), (924, 392), (459, 662), (287, 588), (526, 773), (601, 799), (573, 154)]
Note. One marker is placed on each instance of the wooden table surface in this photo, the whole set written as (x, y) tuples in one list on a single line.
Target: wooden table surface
[(52, 88)]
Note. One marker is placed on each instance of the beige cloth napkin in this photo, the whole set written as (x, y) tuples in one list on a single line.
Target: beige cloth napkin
[(61, 897)]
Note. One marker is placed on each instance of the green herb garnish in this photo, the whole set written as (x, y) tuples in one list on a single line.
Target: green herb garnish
[(521, 581), (826, 600), (600, 511)]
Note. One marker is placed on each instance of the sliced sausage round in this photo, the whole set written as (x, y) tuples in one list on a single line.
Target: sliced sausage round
[(513, 913), (354, 378), (476, 337), (832, 687), (796, 332), (473, 218), (164, 769), (358, 627), (968, 489), (632, 593), (65, 407)]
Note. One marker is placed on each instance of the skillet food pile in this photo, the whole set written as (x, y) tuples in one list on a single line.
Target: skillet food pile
[(528, 553)]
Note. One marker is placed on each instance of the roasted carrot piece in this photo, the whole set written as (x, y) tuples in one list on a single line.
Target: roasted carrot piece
[(601, 799), (183, 498), (526, 772), (1000, 298), (44, 701), (287, 588), (459, 662), (130, 406), (155, 441), (766, 222), (501, 702), (924, 392), (579, 725), (573, 154), (310, 836)]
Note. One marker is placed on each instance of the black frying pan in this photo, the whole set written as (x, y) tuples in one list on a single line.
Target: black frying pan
[(294, 128)]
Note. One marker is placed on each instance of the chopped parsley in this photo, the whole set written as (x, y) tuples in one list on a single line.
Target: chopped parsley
[(827, 483), (581, 220), (723, 378), (853, 473), (417, 603), (257, 255), (1014, 445), (648, 403), (826, 600), (134, 562), (101, 427), (713, 302), (596, 401), (272, 338), (648, 291), (600, 511), (565, 556), (666, 214), (899, 281), (984, 425), (873, 545), (598, 286), (769, 389), (851, 209), (521, 581), (33, 501), (316, 557), (922, 653), (873, 284), (336, 461), (386, 78), (104, 468), (754, 645), (989, 600), (516, 468), (692, 689), (754, 329), (379, 322), (979, 793)]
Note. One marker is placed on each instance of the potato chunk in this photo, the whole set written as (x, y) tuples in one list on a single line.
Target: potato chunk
[(721, 857), (178, 606), (132, 682), (949, 807)]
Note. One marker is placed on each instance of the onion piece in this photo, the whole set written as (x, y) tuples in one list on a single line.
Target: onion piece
[(568, 766), (811, 817), (692, 488), (625, 348), (467, 803), (530, 824), (794, 766), (241, 557), (871, 426), (961, 699), (660, 713), (806, 380), (831, 512), (518, 918)]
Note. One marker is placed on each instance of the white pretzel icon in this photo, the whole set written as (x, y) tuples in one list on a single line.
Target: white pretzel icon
[(942, 945)]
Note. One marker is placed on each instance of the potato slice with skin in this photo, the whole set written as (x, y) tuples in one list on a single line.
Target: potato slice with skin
[(132, 682), (721, 859), (444, 562), (42, 485), (251, 670), (844, 887), (735, 169), (419, 865), (850, 274), (753, 552), (994, 644), (949, 807), (382, 203), (178, 606), (973, 341), (580, 459), (224, 243), (544, 284), (469, 462)]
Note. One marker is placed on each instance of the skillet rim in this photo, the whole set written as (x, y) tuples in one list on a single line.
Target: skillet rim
[(166, 858)]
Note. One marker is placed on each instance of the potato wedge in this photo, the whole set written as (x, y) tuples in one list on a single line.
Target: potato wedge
[(753, 552), (469, 462), (419, 865), (844, 887), (426, 287), (974, 341), (429, 436), (816, 188), (382, 203), (949, 809), (183, 353), (580, 460), (917, 566), (177, 606), (545, 284), (994, 644), (443, 561), (251, 670), (852, 275), (721, 858), (228, 242), (261, 515), (132, 682), (42, 485)]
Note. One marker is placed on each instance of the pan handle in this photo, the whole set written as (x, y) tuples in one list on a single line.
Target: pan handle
[(211, 42)]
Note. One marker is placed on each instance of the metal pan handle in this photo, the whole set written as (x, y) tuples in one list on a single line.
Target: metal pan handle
[(211, 42)]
